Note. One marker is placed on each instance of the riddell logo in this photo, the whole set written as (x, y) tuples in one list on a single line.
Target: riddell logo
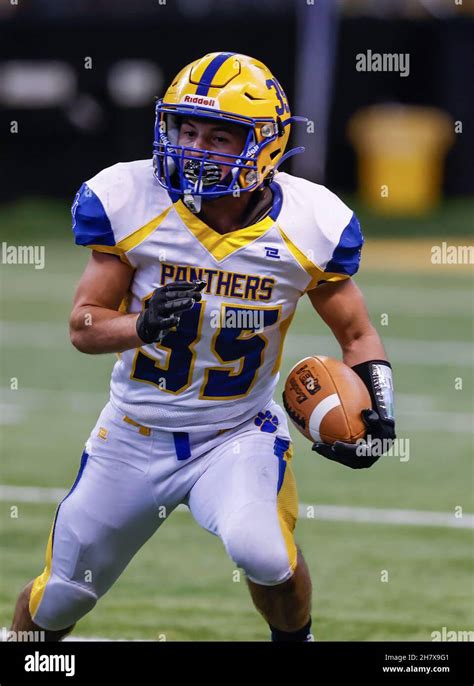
[(200, 100)]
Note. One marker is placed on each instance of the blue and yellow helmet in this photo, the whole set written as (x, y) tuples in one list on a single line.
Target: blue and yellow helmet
[(222, 86)]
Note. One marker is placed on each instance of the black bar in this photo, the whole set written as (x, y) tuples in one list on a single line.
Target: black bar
[(318, 662)]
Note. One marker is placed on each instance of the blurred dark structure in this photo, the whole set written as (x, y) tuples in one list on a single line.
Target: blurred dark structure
[(94, 117), (441, 56)]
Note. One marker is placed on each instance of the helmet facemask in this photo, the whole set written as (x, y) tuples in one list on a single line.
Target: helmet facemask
[(222, 87), (195, 173)]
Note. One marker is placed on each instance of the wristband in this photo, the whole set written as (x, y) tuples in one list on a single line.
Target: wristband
[(377, 376)]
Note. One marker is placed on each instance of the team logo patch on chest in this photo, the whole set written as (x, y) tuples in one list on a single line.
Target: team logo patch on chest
[(271, 252)]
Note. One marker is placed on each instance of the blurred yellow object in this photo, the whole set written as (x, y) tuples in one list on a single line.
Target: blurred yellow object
[(401, 152)]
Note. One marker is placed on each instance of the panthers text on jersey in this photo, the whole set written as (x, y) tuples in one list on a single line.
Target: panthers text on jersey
[(222, 363)]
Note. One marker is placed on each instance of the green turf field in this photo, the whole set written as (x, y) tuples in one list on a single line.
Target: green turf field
[(181, 585)]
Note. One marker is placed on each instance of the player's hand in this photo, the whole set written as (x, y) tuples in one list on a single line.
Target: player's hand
[(163, 310), (378, 440)]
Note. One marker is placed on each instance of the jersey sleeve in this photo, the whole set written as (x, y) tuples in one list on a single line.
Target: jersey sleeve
[(90, 223), (101, 211), (321, 231), (345, 258)]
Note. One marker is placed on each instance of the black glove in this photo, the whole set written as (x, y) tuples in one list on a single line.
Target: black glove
[(380, 423), (163, 310), (362, 455)]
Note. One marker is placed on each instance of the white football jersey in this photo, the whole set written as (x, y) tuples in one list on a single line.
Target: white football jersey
[(221, 364)]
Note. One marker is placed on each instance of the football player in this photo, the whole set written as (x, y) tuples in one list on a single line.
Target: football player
[(199, 258)]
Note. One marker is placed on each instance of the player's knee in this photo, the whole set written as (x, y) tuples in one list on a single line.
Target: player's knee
[(263, 556), (63, 603), (262, 563)]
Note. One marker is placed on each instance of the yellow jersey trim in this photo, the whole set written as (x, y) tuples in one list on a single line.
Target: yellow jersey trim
[(313, 270), (221, 245), (132, 240), (284, 325), (111, 250), (143, 430)]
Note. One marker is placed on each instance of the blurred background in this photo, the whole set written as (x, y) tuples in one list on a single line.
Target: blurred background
[(81, 76), (77, 88)]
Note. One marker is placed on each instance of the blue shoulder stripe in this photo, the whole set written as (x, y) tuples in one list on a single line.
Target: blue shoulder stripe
[(90, 222), (346, 256)]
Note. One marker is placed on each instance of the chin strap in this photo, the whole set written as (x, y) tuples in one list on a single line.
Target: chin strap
[(290, 153), (192, 202)]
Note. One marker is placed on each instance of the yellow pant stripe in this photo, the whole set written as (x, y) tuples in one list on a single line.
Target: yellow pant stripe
[(287, 505), (40, 582)]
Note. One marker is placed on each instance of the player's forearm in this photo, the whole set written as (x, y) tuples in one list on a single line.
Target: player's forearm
[(96, 330), (362, 346)]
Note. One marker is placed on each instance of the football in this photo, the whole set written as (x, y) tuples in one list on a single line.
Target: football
[(324, 399)]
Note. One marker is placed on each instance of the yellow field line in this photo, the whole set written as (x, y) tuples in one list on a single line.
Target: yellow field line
[(411, 254)]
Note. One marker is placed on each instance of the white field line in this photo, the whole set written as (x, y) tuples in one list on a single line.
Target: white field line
[(72, 639), (436, 421), (32, 397), (41, 289), (400, 350), (453, 302), (415, 412), (328, 513), (422, 302)]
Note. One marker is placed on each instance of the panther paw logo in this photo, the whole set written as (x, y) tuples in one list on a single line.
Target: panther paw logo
[(266, 421)]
